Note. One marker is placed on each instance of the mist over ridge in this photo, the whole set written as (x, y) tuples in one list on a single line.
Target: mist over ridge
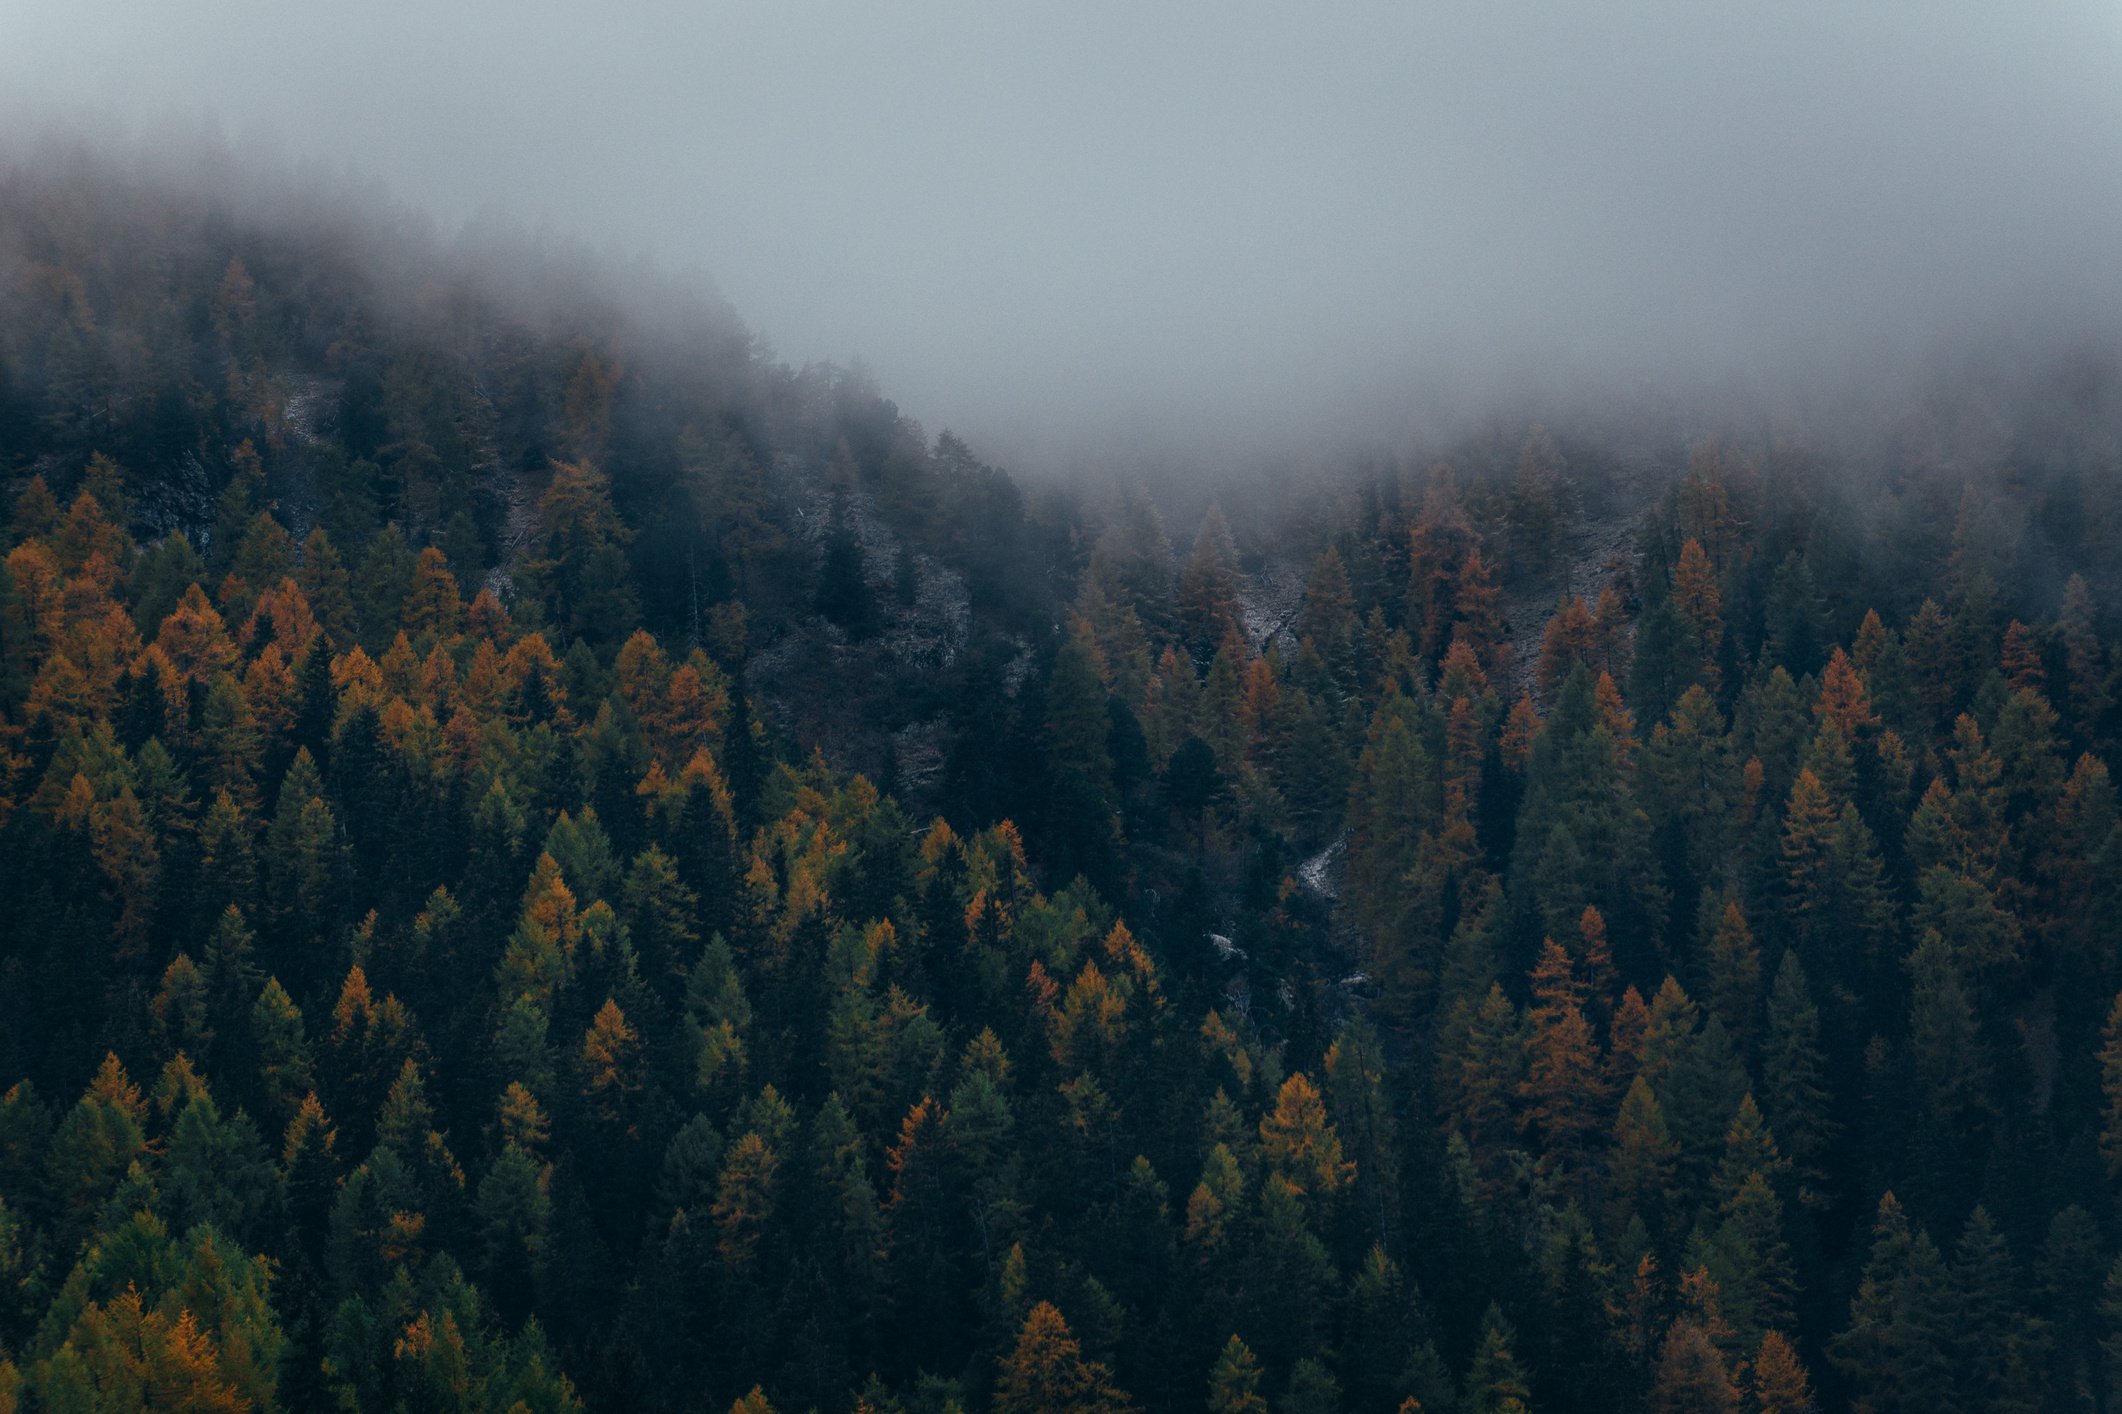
[(1194, 234)]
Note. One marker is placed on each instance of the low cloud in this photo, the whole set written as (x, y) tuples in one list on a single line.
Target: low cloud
[(1201, 231)]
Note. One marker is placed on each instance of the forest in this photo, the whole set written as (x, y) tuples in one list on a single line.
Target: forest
[(556, 862)]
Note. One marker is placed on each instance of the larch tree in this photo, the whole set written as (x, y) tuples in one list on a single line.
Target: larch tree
[(1046, 1373), (1298, 1139), (1562, 1085), (1777, 1380)]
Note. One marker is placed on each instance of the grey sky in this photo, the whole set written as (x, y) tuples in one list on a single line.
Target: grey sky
[(1062, 225)]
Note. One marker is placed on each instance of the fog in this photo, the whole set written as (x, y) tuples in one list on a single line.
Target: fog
[(1209, 230)]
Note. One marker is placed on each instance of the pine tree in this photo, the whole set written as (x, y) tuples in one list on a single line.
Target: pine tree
[(1213, 1209), (1132, 562), (309, 1166), (1945, 1042), (1795, 617), (1362, 1108), (1895, 1349), (1844, 698), (1734, 972), (1681, 1063), (1208, 587), (1480, 1085), (1327, 617), (1642, 1161), (280, 1045), (1077, 724), (575, 567), (2068, 1271), (1691, 784), (2110, 1058), (1234, 1382), (2088, 681), (180, 1009), (1808, 832), (745, 1201), (1312, 1390), (1998, 1349), (2111, 1327), (434, 605), (1854, 889), (1752, 1263), (1389, 807), (1536, 506), (1934, 657), (1749, 1148), (1625, 1036), (93, 1146), (1495, 1383), (1666, 661), (844, 596)]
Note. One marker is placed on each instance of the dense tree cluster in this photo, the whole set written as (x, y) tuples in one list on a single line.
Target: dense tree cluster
[(434, 980)]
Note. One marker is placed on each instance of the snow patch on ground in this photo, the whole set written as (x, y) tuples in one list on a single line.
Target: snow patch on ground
[(308, 400), (930, 632), (1316, 873), (1269, 600)]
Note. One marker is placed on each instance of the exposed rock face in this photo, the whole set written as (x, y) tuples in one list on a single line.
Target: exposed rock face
[(876, 702), (1268, 603)]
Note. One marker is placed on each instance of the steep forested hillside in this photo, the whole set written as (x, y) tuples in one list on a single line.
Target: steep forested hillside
[(551, 861)]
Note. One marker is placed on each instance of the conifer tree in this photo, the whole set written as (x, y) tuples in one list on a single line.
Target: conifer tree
[(1778, 1381), (1495, 1384), (1298, 1139), (1480, 1086), (1945, 1043), (1562, 1086), (1692, 1376), (280, 1046), (1695, 594), (1570, 640), (2111, 1091), (1998, 1349), (1047, 1374), (1641, 1165), (1752, 1262), (2111, 1328), (844, 596), (1208, 587), (2089, 682), (1733, 967), (1234, 1383), (1895, 1350), (1536, 501)]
